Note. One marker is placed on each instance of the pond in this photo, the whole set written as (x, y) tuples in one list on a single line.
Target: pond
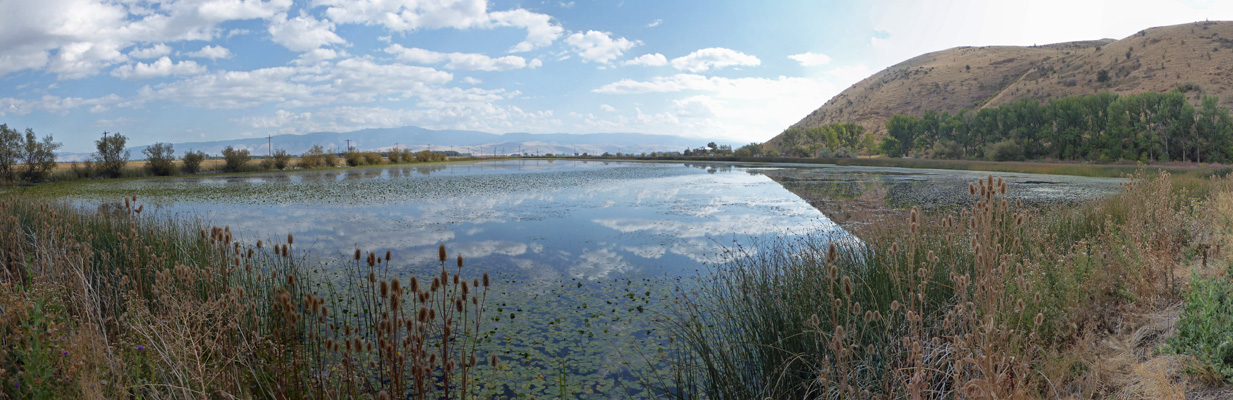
[(587, 253)]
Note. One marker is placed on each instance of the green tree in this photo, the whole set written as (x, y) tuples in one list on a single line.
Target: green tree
[(192, 161), (235, 159), (39, 156), (10, 152), (111, 155), (1102, 76), (159, 158)]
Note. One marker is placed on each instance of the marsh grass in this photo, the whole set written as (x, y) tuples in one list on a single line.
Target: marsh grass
[(975, 304), (117, 303)]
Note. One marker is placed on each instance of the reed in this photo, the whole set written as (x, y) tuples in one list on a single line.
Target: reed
[(119, 303), (968, 304)]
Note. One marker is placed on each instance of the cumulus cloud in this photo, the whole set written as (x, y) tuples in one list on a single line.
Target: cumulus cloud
[(607, 108), (210, 52), (303, 33), (809, 59), (403, 16), (157, 69), (154, 51), (55, 104), (75, 39), (472, 80), (462, 61), (649, 60), (714, 58), (599, 47)]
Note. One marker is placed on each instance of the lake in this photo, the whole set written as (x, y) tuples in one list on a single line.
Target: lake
[(587, 253)]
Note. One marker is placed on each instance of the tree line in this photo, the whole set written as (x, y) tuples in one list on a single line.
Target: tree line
[(1105, 127)]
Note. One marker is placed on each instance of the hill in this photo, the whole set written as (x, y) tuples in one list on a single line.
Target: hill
[(415, 139), (1195, 55)]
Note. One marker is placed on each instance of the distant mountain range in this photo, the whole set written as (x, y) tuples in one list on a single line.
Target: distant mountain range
[(416, 139)]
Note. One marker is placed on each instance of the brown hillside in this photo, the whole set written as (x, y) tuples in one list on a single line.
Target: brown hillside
[(1155, 59)]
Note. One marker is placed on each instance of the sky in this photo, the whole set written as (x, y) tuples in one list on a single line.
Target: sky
[(741, 71)]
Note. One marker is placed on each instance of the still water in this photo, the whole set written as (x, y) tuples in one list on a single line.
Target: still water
[(587, 254)]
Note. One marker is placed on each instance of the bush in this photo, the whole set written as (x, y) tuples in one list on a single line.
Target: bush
[(946, 149), (111, 155), (427, 156), (1006, 150), (235, 159), (192, 161), (280, 160), (354, 159), (159, 158), (330, 160), (372, 158), (1204, 330)]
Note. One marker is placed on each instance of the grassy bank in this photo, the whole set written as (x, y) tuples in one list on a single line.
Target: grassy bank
[(114, 303), (1049, 168), (993, 302)]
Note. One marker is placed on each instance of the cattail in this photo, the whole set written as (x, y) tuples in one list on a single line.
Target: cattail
[(493, 360), (286, 251), (290, 239), (441, 253), (357, 254)]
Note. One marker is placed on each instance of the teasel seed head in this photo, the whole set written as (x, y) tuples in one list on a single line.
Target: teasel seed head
[(1040, 319), (396, 286), (832, 254), (441, 253), (357, 254), (486, 279), (387, 256), (259, 244), (894, 305), (458, 304), (372, 260), (415, 285), (290, 239), (385, 289), (813, 320)]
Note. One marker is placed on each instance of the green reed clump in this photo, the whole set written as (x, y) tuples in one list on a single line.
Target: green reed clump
[(147, 307), (936, 306)]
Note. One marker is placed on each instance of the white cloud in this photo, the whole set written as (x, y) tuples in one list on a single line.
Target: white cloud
[(316, 56), (78, 38), (655, 23), (714, 57), (211, 52), (480, 116), (600, 47), (157, 69), (472, 80), (404, 16), (649, 60), (810, 59), (462, 61), (607, 108), (303, 33), (55, 104), (154, 51)]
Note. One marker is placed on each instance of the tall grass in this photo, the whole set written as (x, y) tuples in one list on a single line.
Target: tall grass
[(953, 305), (115, 303)]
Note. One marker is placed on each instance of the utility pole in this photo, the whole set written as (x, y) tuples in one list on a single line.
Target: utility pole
[(269, 139), (348, 145)]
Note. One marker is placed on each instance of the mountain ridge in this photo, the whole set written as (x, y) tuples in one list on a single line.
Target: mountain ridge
[(1196, 55)]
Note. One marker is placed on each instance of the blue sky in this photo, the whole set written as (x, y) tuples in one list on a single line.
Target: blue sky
[(193, 70)]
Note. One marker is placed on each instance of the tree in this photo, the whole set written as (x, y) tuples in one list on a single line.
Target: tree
[(1102, 76), (10, 152), (313, 158), (159, 157), (39, 157), (192, 161), (111, 155), (235, 159)]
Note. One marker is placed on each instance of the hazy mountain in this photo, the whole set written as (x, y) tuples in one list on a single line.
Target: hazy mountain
[(416, 139)]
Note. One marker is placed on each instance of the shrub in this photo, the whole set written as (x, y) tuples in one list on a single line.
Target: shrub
[(330, 160), (372, 158), (159, 158), (111, 155), (313, 158), (427, 156), (281, 159), (946, 149), (192, 161), (1006, 150), (1205, 326), (235, 159), (354, 159)]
